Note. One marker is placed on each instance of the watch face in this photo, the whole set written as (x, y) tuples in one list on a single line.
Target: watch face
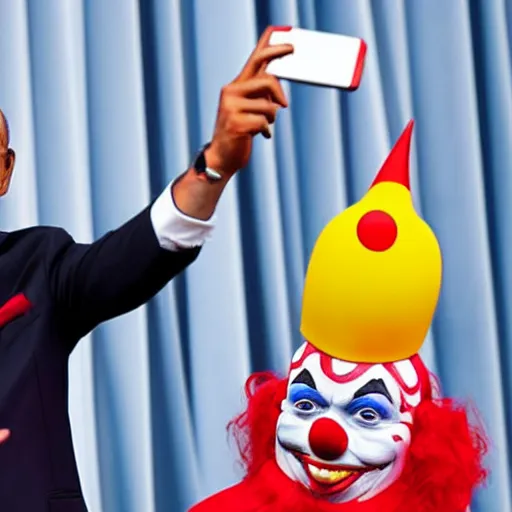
[(200, 166)]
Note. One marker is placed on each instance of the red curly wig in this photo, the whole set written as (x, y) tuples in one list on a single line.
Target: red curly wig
[(443, 467)]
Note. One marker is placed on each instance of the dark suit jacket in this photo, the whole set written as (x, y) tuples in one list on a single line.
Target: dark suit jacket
[(53, 292)]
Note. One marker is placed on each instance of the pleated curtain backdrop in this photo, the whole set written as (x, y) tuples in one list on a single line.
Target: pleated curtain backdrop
[(107, 102)]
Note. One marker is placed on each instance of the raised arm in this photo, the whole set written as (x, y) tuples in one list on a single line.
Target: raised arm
[(92, 283)]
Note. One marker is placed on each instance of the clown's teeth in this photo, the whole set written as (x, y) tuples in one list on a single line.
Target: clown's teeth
[(327, 476)]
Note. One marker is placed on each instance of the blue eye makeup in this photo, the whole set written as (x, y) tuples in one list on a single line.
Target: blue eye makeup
[(305, 398), (370, 409)]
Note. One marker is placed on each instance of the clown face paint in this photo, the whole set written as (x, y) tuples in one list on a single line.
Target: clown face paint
[(344, 428)]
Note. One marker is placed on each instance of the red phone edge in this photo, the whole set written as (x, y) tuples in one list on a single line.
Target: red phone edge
[(358, 71)]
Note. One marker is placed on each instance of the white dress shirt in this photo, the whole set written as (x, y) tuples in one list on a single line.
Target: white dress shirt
[(173, 228)]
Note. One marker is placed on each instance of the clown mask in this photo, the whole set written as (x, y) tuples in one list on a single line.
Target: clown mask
[(344, 428)]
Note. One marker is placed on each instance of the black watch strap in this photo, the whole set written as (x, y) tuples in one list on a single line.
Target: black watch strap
[(200, 166)]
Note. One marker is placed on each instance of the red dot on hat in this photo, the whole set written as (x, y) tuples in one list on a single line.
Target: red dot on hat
[(328, 439), (377, 230)]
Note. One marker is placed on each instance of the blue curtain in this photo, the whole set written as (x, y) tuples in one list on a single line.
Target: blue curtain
[(107, 101)]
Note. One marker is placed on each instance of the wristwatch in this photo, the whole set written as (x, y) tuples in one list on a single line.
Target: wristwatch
[(199, 165)]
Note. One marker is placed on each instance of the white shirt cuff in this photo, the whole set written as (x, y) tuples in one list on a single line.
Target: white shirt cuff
[(175, 230)]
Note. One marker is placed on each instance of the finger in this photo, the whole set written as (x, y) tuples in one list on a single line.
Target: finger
[(260, 59), (255, 61), (265, 37), (263, 86), (257, 106), (4, 435), (265, 56), (265, 41), (252, 124)]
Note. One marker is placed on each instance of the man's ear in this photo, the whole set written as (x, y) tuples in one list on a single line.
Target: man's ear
[(10, 160), (6, 173)]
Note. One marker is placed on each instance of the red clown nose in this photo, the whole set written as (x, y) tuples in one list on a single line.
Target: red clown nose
[(327, 439)]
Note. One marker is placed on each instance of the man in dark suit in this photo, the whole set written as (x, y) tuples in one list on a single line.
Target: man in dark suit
[(53, 290)]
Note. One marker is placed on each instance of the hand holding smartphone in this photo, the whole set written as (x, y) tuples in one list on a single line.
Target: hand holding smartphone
[(319, 58)]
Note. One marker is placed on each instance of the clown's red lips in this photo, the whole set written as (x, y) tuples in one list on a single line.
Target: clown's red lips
[(330, 478)]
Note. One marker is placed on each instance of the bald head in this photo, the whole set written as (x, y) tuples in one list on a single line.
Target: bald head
[(7, 156), (4, 131)]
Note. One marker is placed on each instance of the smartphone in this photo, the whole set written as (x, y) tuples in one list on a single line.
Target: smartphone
[(319, 58)]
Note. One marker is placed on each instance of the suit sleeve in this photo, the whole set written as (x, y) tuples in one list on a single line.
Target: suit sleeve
[(91, 283)]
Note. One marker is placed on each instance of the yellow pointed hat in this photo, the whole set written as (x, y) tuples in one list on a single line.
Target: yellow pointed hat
[(374, 276)]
